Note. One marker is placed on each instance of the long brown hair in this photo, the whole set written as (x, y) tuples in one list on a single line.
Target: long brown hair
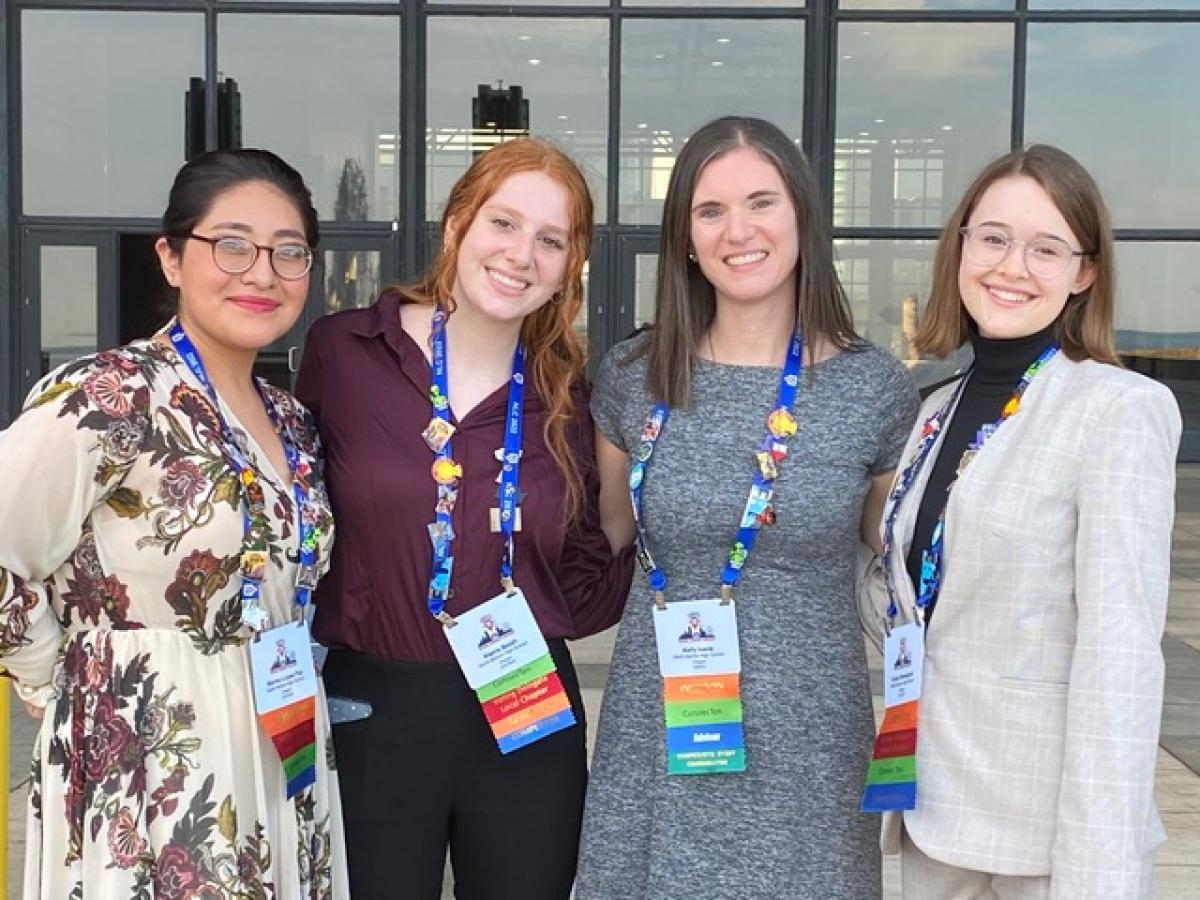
[(1084, 329), (685, 302), (554, 353)]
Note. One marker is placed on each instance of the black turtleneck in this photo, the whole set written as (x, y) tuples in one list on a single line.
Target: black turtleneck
[(998, 367)]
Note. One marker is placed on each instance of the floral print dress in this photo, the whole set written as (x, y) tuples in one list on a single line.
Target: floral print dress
[(120, 610)]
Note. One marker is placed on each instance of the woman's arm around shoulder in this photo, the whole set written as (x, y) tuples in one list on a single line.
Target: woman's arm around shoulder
[(68, 452), (594, 572), (1125, 505)]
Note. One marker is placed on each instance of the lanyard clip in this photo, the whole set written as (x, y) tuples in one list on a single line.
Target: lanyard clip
[(508, 584), (660, 600), (446, 619), (726, 594)]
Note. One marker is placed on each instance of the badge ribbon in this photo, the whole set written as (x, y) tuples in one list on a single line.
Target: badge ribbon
[(718, 726), (292, 728), (891, 782), (510, 668)]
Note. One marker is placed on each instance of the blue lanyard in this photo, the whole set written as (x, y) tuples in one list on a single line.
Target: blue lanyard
[(759, 510), (255, 551), (930, 581), (447, 473)]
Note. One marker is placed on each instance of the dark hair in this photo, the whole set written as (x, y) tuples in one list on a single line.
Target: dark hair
[(1084, 328), (205, 177), (685, 302)]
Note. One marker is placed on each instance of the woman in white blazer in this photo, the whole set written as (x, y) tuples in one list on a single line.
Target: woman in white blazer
[(1043, 591)]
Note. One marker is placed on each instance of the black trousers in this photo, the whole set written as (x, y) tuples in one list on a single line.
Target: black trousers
[(423, 772)]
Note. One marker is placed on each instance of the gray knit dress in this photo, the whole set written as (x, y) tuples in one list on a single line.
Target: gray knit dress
[(788, 828)]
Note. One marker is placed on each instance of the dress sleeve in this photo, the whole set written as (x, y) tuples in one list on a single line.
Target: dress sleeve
[(1125, 503), (612, 390), (68, 452), (897, 413), (594, 581)]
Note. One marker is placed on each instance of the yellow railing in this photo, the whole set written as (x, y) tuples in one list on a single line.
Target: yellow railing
[(5, 693)]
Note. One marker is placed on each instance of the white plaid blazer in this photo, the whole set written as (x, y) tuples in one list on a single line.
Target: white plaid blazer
[(1043, 671)]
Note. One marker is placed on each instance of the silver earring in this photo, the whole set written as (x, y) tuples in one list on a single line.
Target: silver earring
[(691, 256)]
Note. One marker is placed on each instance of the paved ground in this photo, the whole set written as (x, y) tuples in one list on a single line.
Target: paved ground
[(1177, 784)]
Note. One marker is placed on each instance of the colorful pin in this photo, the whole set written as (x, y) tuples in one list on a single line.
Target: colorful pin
[(781, 423), (766, 465), (446, 471), (437, 433)]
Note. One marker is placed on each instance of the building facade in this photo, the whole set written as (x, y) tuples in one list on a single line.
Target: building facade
[(381, 105)]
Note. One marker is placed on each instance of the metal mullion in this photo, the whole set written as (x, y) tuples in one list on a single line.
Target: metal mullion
[(70, 224), (1020, 56), (413, 118), (9, 287), (605, 307), (211, 74), (820, 95), (1009, 15), (1160, 235), (600, 11), (1126, 15)]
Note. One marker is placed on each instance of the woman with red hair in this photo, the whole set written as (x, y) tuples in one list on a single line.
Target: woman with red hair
[(457, 426)]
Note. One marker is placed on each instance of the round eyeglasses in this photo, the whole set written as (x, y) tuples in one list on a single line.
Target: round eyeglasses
[(1045, 257), (234, 256)]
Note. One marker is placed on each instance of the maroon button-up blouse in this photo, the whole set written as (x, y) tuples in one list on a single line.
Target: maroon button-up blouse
[(367, 383)]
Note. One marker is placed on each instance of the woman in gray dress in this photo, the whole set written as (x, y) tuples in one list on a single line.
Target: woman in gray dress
[(746, 280)]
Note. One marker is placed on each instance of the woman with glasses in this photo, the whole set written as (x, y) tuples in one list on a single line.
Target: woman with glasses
[(1032, 514), (461, 470), (166, 521)]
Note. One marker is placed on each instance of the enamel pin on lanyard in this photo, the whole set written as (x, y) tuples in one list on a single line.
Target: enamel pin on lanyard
[(281, 661), (498, 644), (698, 652), (891, 782)]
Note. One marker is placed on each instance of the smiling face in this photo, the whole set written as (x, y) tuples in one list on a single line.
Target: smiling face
[(1006, 300), (743, 230), (243, 312), (512, 259)]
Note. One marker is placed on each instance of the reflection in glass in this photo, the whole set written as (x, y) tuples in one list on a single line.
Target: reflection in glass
[(1158, 300), (926, 4), (68, 304), (515, 3), (887, 283), (702, 4), (1158, 324), (921, 106), (561, 66), (98, 137), (1145, 159), (352, 278), (1114, 4), (676, 75), (581, 320), (645, 278), (324, 93)]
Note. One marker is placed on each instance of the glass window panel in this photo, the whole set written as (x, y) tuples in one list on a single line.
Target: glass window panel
[(324, 93), (1158, 299), (723, 4), (352, 278), (921, 106), (99, 138), (1143, 158), (515, 3), (68, 304), (581, 320), (925, 4), (1112, 4), (1158, 324), (645, 278), (676, 75), (561, 66)]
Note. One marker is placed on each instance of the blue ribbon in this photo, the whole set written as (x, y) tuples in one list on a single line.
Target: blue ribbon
[(774, 445), (251, 588), (507, 493), (929, 582)]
